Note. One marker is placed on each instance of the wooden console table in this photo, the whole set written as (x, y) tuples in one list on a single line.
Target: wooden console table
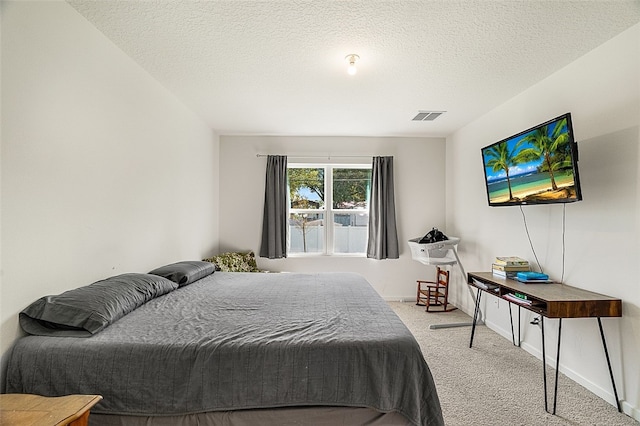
[(31, 410), (551, 300)]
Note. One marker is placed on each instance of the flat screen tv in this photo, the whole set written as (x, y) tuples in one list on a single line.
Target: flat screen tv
[(536, 166)]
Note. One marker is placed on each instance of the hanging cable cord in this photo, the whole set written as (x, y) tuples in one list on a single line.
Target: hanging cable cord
[(526, 228), (564, 217)]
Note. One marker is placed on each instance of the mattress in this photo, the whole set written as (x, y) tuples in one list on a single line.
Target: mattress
[(241, 341)]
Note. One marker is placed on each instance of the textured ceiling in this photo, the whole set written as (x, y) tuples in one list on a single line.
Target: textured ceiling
[(278, 67)]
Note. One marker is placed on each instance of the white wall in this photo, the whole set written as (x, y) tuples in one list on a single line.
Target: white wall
[(602, 91), (419, 195), (103, 170)]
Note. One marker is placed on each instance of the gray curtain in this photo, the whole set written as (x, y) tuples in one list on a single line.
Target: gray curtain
[(274, 219), (383, 236)]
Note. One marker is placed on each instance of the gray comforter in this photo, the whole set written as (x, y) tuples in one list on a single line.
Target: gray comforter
[(241, 340)]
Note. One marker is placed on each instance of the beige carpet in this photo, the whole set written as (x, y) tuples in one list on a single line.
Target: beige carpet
[(495, 382)]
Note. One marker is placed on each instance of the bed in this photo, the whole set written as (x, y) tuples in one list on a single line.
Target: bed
[(232, 348)]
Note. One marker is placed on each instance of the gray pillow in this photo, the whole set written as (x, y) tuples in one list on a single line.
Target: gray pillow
[(84, 311), (185, 272)]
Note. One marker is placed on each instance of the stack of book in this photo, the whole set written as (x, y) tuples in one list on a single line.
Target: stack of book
[(509, 266)]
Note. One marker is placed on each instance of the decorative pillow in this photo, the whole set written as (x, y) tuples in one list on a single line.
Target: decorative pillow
[(84, 311), (235, 262), (185, 272)]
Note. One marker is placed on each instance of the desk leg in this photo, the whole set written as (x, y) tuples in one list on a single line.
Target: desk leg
[(544, 366), (519, 339), (606, 354), (555, 389), (475, 317), (513, 336)]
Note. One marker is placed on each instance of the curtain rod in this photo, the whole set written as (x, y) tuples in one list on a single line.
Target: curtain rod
[(320, 156)]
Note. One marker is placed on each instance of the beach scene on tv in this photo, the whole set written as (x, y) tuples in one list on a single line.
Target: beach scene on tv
[(533, 167)]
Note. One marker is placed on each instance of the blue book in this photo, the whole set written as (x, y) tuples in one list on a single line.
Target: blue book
[(530, 275)]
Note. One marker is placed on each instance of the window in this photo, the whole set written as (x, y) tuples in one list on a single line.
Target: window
[(328, 208)]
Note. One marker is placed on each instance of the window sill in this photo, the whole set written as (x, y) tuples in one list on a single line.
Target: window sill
[(318, 255)]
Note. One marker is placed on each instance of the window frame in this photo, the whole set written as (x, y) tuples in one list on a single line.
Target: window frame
[(328, 211)]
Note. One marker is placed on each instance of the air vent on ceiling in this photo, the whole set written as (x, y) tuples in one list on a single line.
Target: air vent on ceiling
[(427, 115)]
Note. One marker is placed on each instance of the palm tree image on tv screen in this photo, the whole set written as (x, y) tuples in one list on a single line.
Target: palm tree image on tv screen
[(535, 166)]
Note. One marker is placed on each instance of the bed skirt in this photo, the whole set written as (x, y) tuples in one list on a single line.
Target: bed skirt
[(316, 416)]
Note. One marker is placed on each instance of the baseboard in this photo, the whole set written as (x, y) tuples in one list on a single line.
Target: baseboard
[(399, 299), (631, 411), (497, 329)]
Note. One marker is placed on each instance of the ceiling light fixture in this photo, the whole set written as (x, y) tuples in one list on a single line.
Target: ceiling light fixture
[(352, 58)]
